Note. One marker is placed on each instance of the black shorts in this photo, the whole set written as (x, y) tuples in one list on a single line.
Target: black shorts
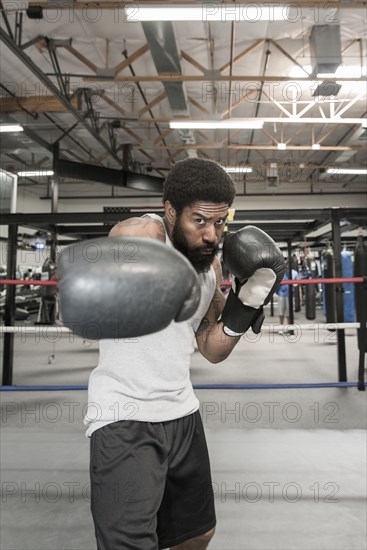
[(150, 484)]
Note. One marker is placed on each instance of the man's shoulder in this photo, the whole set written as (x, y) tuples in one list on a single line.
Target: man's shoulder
[(145, 226)]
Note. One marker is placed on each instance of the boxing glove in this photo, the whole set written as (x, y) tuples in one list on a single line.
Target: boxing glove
[(258, 267), (124, 287)]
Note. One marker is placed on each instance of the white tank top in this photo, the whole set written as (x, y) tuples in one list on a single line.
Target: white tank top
[(147, 378)]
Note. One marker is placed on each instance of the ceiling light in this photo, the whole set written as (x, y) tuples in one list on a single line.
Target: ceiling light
[(216, 124), (237, 169), (39, 173), (345, 71), (11, 128), (352, 171), (282, 146), (38, 242), (310, 120), (316, 146), (210, 11), (258, 123)]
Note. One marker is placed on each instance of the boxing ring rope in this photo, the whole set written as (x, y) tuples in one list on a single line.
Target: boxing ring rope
[(203, 386), (266, 328), (223, 283), (49, 329)]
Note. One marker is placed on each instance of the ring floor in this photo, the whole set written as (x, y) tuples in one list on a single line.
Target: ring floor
[(288, 465)]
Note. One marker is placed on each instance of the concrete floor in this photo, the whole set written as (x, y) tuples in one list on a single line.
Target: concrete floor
[(288, 466)]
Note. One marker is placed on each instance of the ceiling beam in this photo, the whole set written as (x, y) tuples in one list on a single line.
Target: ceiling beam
[(35, 104), (193, 61), (212, 76), (277, 120), (242, 54), (33, 67), (250, 147), (131, 58), (81, 57), (153, 103)]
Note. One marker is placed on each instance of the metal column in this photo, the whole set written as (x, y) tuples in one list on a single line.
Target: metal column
[(290, 287), (9, 316), (339, 297)]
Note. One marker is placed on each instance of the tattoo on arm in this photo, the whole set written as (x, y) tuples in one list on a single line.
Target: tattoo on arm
[(218, 303), (140, 227), (203, 327), (161, 234)]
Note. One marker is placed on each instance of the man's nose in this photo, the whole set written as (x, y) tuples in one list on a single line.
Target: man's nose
[(210, 235)]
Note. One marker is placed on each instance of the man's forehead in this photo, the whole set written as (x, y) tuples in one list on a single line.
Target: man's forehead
[(208, 208)]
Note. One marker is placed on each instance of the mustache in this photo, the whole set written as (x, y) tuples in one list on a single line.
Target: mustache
[(211, 247)]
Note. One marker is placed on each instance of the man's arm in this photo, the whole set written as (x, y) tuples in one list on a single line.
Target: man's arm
[(212, 342), (140, 227)]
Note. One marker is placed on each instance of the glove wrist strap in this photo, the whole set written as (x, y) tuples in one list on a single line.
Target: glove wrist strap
[(238, 318)]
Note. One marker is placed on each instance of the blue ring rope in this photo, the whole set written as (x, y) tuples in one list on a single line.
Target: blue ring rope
[(202, 386)]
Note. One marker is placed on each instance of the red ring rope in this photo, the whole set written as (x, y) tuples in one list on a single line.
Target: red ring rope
[(26, 282), (223, 283)]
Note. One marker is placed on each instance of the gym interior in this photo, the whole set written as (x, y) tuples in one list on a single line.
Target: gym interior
[(98, 102)]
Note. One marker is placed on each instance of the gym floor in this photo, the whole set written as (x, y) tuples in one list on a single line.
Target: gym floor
[(288, 465)]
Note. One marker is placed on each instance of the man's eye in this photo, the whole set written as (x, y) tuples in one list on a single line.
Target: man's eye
[(200, 221), (220, 222)]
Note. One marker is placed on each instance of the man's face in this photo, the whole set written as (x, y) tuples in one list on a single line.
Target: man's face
[(198, 231)]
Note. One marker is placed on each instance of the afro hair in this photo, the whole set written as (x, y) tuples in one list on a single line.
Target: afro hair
[(193, 179)]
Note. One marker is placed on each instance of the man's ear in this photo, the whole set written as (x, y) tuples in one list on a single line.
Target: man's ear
[(170, 213)]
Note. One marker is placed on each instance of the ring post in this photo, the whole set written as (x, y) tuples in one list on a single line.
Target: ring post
[(9, 317), (342, 363)]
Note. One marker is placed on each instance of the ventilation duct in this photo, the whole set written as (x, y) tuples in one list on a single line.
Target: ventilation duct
[(325, 49)]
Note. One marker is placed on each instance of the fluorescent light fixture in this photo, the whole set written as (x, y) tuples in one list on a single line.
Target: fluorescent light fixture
[(11, 128), (216, 124), (282, 146), (208, 11), (345, 71), (39, 173), (310, 120), (351, 171), (258, 123), (325, 75), (316, 146), (238, 169)]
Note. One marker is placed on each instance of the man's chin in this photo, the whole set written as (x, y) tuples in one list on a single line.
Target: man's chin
[(202, 262)]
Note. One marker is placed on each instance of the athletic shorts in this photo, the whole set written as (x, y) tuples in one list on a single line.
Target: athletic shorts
[(283, 306), (151, 485)]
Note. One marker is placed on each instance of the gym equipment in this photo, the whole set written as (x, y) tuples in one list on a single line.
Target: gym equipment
[(328, 290), (310, 301), (347, 271)]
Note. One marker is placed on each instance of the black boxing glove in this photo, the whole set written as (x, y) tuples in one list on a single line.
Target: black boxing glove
[(125, 287), (258, 266)]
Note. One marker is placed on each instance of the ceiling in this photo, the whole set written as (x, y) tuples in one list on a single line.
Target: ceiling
[(104, 90)]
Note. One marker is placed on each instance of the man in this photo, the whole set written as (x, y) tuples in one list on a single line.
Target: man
[(150, 472)]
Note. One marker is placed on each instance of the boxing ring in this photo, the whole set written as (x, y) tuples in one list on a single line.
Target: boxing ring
[(278, 452), (291, 329)]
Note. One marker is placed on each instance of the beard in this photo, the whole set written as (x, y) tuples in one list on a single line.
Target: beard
[(201, 257)]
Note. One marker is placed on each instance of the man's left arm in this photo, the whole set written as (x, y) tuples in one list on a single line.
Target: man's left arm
[(212, 342)]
